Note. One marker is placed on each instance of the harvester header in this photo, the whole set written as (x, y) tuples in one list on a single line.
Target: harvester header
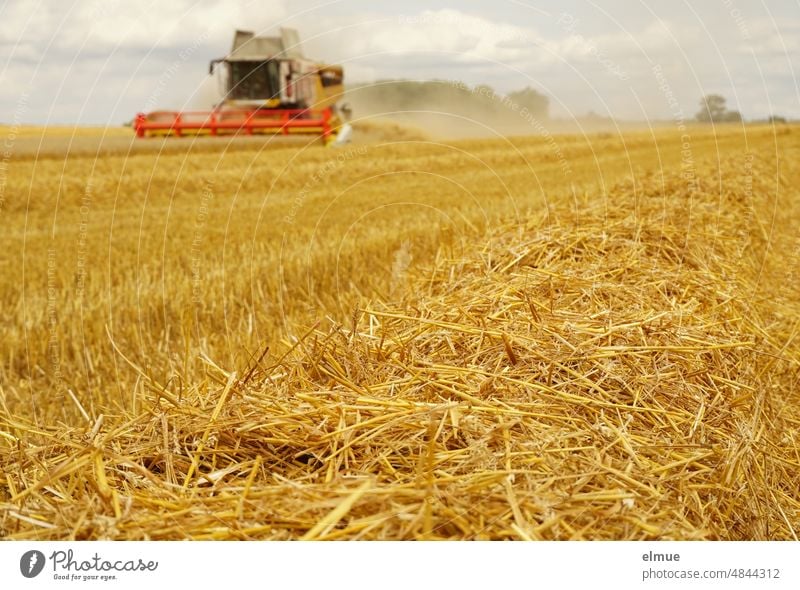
[(269, 88)]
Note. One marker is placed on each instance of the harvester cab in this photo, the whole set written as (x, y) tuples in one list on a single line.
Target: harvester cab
[(268, 87), (272, 73)]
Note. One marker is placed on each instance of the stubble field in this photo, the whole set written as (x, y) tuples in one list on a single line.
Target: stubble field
[(169, 365)]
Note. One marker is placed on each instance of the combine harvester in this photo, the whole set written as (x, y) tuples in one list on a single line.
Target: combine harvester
[(270, 88)]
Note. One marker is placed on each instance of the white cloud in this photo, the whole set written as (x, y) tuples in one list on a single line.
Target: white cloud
[(464, 38), (121, 51), (82, 59), (117, 24), (768, 38), (446, 31)]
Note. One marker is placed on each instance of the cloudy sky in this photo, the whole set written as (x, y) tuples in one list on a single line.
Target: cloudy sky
[(101, 61)]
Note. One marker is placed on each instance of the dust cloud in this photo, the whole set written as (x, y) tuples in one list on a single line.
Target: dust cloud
[(452, 110)]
